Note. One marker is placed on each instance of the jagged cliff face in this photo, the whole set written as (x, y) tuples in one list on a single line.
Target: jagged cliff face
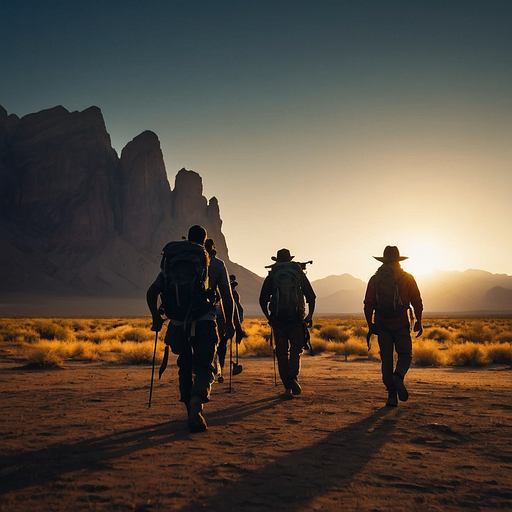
[(63, 173), (76, 219)]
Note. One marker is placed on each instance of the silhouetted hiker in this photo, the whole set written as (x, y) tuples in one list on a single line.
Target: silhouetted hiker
[(239, 310), (215, 263), (387, 306), (192, 335), (282, 302)]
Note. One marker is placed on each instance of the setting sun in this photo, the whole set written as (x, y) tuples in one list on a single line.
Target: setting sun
[(422, 259)]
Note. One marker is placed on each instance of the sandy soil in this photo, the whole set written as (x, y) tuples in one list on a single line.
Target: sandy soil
[(83, 438)]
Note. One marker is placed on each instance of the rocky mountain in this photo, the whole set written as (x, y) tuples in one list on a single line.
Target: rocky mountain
[(81, 228)]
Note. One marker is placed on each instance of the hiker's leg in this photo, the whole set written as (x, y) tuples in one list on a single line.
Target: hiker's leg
[(296, 336), (403, 347), (204, 343), (385, 339), (221, 351), (178, 340), (282, 352)]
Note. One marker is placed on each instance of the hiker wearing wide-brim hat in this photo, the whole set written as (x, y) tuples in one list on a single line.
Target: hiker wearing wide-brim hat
[(282, 301), (390, 294)]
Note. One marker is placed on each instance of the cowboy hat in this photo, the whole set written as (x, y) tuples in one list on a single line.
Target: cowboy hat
[(391, 253), (283, 255)]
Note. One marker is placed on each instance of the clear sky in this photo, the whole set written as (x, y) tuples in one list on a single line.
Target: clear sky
[(329, 127)]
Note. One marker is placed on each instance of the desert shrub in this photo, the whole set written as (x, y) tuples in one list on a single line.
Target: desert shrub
[(466, 354), (475, 331), (321, 345), (504, 337), (351, 347), (13, 331), (333, 333), (112, 345), (439, 334), (427, 353), (253, 346), (84, 350), (359, 331), (45, 354), (51, 330), (257, 340), (135, 352), (79, 325), (10, 331), (136, 334), (499, 353)]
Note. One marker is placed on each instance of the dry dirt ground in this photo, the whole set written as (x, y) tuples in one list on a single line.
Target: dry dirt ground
[(82, 438)]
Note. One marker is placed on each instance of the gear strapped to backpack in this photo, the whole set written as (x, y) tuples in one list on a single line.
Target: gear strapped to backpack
[(287, 301), (184, 267), (387, 293)]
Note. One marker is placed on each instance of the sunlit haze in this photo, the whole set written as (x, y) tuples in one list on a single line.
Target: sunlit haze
[(331, 128)]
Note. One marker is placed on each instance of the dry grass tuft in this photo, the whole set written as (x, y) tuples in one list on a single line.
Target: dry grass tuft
[(428, 353)]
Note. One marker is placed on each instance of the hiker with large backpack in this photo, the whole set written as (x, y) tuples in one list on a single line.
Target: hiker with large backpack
[(387, 308), (282, 302), (186, 288)]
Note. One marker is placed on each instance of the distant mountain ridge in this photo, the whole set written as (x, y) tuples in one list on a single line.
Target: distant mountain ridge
[(82, 229), (442, 292)]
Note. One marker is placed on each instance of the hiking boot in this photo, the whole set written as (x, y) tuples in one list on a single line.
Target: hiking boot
[(287, 395), (196, 421), (220, 379), (398, 381), (296, 389), (392, 399)]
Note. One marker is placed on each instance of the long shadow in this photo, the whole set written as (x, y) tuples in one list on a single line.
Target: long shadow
[(304, 474), (297, 478), (42, 466)]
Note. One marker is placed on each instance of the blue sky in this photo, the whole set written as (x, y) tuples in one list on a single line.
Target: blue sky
[(332, 128)]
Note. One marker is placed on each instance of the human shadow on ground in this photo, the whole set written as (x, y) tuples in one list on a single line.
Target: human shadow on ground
[(293, 481), (41, 466)]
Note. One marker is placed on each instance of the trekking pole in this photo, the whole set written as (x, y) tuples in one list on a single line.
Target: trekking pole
[(153, 370), (237, 368), (273, 353), (230, 362)]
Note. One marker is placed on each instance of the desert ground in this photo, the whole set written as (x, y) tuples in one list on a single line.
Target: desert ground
[(83, 438)]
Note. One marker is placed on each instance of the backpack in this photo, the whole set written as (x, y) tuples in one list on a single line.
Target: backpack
[(184, 266), (287, 300), (387, 294)]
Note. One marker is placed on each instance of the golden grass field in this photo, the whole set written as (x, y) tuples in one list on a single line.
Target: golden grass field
[(49, 342)]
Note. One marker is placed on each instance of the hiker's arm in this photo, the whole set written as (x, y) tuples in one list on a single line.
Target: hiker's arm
[(369, 305), (152, 301), (310, 297), (265, 298), (311, 309), (227, 302), (417, 304), (238, 306)]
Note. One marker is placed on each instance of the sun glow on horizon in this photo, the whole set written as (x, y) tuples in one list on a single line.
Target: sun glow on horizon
[(423, 258)]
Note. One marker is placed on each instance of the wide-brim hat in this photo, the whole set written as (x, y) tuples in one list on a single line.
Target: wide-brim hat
[(391, 253), (282, 256)]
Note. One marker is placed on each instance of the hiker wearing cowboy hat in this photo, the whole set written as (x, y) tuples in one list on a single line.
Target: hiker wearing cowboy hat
[(387, 306), (282, 302)]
